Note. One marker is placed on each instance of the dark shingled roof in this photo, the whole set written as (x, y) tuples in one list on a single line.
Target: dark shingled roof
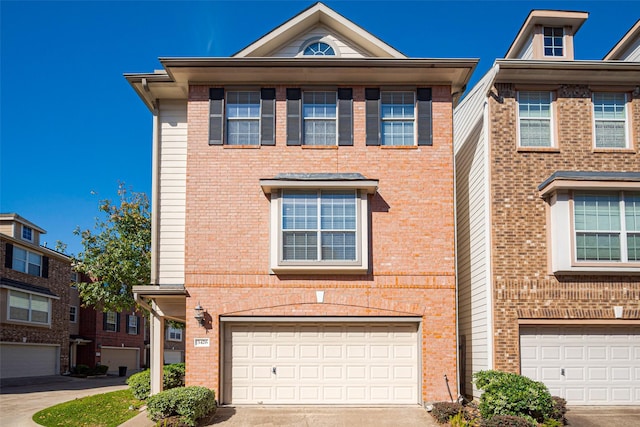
[(27, 287), (590, 176)]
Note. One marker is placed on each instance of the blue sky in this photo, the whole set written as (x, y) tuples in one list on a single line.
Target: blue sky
[(71, 128)]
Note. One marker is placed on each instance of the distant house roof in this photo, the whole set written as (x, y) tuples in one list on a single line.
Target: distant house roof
[(629, 38), (17, 218)]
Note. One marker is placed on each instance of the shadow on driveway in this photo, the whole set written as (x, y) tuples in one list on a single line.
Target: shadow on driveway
[(603, 416), (56, 383)]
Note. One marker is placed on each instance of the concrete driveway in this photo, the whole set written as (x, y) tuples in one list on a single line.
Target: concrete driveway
[(20, 399), (603, 416)]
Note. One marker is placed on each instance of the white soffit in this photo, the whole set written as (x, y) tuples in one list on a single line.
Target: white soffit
[(318, 14)]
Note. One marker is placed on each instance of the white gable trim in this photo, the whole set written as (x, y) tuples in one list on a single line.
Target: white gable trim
[(318, 14)]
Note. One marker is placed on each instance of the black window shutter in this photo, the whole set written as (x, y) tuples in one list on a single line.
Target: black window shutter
[(45, 267), (104, 321), (294, 119), (425, 136), (117, 322), (216, 105), (372, 108), (345, 116), (137, 325), (268, 116), (8, 256)]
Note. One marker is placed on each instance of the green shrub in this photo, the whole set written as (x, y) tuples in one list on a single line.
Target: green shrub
[(100, 370), (508, 421), (550, 422), (82, 369), (512, 394), (559, 410), (443, 411), (460, 420), (140, 383), (189, 403)]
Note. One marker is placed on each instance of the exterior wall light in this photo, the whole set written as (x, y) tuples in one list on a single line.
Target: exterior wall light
[(199, 314)]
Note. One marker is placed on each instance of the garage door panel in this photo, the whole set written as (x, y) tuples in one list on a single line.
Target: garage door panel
[(321, 363), (20, 360), (601, 364)]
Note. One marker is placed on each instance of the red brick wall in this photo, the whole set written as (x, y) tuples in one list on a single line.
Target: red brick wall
[(58, 282), (522, 285), (412, 237)]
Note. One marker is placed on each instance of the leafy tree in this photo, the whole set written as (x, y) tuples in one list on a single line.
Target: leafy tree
[(117, 254)]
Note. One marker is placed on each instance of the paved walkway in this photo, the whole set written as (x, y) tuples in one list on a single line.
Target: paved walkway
[(20, 399)]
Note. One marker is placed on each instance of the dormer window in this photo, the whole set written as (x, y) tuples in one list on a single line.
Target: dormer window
[(27, 233), (319, 49), (553, 41)]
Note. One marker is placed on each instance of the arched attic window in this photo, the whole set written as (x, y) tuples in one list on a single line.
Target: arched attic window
[(318, 49)]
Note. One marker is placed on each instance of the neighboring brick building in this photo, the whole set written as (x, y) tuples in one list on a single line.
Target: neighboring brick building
[(548, 205), (34, 302), (303, 199)]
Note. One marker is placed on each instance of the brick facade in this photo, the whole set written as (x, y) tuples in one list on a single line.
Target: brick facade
[(411, 236), (58, 282), (523, 287)]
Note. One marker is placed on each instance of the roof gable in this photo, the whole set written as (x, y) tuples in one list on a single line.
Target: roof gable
[(319, 22), (628, 48)]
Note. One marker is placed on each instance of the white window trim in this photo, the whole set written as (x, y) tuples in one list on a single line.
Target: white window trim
[(129, 317), (552, 125), (115, 323), (30, 322), (562, 236), (413, 120), (304, 119), (627, 123), (75, 313), (564, 42), (26, 266), (324, 39), (175, 331), (22, 229), (228, 119), (360, 266)]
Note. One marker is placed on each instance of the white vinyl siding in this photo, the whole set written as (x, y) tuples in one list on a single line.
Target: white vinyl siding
[(172, 192), (586, 365), (345, 49), (470, 145), (527, 50), (632, 54), (307, 363)]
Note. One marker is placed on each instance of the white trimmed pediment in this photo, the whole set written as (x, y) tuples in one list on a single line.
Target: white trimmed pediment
[(319, 23)]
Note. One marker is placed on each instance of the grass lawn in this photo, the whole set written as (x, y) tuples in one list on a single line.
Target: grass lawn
[(101, 410)]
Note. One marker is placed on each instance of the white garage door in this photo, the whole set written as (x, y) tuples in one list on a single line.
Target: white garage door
[(173, 356), (25, 360), (585, 365), (321, 363), (114, 357)]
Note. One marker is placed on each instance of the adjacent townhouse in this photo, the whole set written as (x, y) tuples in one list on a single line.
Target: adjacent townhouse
[(548, 215), (303, 217), (34, 302)]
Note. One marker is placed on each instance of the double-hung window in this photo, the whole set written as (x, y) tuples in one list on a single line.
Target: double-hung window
[(610, 120), (132, 324), (534, 116), (398, 116), (28, 307), (174, 334), (319, 225), (607, 226), (319, 118), (553, 41), (27, 261), (243, 118), (27, 233), (111, 321), (319, 222), (73, 314)]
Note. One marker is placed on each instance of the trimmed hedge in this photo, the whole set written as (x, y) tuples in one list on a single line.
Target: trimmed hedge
[(188, 403), (511, 394), (559, 410), (508, 421), (140, 383)]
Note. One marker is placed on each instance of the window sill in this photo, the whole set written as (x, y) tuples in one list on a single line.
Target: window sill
[(620, 269), (399, 147), (615, 150), (27, 323), (169, 339), (319, 147), (241, 147), (319, 269), (538, 150)]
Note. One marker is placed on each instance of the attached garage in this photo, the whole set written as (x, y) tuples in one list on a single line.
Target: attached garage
[(321, 363), (114, 357), (29, 360), (173, 356), (588, 365)]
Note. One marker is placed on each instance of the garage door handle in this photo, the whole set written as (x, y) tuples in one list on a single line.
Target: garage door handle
[(273, 370), (562, 371)]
